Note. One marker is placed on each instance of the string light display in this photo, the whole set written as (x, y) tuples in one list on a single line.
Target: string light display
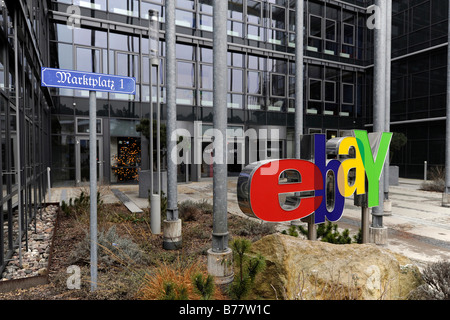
[(125, 163)]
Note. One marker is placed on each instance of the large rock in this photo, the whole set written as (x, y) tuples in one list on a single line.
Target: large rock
[(310, 270)]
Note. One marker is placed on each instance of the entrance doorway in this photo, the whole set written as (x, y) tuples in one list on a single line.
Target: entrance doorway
[(82, 161)]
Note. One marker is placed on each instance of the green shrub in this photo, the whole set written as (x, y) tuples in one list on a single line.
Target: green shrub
[(329, 233), (204, 286), (174, 292), (248, 266)]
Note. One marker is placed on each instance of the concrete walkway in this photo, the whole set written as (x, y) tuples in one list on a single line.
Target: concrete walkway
[(419, 226)]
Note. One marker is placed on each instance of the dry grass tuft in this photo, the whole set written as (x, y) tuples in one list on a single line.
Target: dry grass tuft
[(179, 276)]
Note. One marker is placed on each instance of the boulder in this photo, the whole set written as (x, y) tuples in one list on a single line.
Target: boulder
[(298, 269)]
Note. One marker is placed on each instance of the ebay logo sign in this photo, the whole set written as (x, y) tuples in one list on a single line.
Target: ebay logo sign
[(287, 190)]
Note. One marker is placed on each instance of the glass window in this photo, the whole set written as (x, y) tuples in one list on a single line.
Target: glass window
[(206, 55), (63, 125), (278, 17), (88, 60), (185, 18), (315, 26), (235, 59), (92, 4), (186, 97), (330, 30), (83, 125), (205, 6), (123, 128), (315, 89), (234, 28), (185, 74), (235, 80), (186, 52), (255, 102), (278, 85), (90, 37), (206, 22), (206, 98), (125, 7), (63, 33), (124, 43), (255, 62), (206, 76), (65, 56), (145, 7), (254, 82), (255, 32), (186, 4), (235, 101), (63, 151), (127, 65), (349, 34), (330, 91), (235, 9), (254, 12), (291, 20), (347, 93)]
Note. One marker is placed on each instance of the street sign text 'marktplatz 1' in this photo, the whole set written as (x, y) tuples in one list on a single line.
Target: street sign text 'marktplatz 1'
[(70, 79)]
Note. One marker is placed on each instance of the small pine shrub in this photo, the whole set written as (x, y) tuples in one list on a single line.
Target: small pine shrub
[(172, 291), (292, 231), (248, 266), (204, 286), (329, 233)]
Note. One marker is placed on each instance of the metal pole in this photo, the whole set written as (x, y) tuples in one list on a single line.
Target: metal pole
[(48, 187), (447, 138), (298, 75), (425, 171), (172, 225), (172, 192), (158, 129), (155, 199), (93, 184), (365, 224), (18, 146), (150, 151), (379, 114), (387, 125), (220, 223)]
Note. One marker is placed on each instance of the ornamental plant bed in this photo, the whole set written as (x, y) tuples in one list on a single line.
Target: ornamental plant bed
[(128, 251)]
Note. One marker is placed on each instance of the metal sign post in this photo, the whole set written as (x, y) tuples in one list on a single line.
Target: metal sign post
[(59, 78), (93, 185)]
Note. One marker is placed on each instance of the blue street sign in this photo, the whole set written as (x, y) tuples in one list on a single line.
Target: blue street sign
[(59, 78)]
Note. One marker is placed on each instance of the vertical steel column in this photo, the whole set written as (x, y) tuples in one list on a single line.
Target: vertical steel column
[(172, 238), (379, 98), (171, 126), (299, 22), (153, 55), (447, 137), (93, 185), (387, 125), (220, 225), (18, 144)]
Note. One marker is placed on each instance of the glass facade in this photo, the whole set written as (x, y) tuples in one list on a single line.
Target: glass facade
[(261, 64), (25, 120), (112, 38), (419, 83)]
